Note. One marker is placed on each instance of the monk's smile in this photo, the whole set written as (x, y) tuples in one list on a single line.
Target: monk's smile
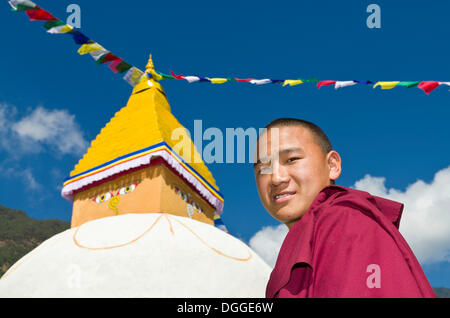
[(283, 196)]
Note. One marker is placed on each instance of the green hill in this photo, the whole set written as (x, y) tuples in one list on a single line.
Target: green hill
[(19, 234)]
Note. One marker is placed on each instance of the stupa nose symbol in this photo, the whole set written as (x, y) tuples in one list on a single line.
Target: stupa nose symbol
[(113, 203)]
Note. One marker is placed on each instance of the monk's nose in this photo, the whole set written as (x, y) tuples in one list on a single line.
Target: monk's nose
[(279, 174)]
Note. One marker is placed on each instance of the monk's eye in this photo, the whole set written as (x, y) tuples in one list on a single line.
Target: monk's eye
[(103, 197), (128, 189), (292, 159)]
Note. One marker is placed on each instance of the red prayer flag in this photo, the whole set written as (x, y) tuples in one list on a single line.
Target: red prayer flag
[(40, 14), (177, 76), (324, 83), (110, 57), (244, 79), (428, 86), (113, 65)]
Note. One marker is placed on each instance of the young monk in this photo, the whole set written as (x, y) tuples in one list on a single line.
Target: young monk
[(341, 242)]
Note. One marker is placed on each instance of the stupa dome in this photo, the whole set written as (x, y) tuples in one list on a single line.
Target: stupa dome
[(139, 255)]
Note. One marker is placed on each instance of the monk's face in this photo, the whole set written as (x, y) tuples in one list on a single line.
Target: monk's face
[(291, 170)]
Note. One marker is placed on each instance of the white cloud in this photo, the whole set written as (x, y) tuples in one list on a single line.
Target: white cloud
[(41, 128), (29, 180), (425, 222), (56, 128), (11, 169), (267, 242)]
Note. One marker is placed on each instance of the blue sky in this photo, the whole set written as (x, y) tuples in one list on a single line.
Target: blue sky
[(400, 135)]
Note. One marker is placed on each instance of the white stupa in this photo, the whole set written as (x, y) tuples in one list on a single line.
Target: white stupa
[(146, 219)]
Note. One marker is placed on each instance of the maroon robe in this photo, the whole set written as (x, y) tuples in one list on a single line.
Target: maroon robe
[(348, 245)]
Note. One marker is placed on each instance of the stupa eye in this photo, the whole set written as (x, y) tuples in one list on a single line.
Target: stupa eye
[(103, 197), (182, 195), (128, 189)]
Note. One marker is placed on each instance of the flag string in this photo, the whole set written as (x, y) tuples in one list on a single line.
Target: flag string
[(134, 75)]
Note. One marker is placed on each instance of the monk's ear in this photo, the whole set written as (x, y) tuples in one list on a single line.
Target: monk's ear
[(334, 164)]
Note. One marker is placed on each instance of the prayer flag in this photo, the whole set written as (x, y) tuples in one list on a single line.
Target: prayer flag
[(97, 54), (122, 66), (364, 82), (22, 5), (261, 81), (177, 76), (89, 47), (428, 86), (166, 76), (54, 23), (114, 64), (324, 83), (79, 37), (217, 80), (340, 84), (39, 15), (386, 85), (192, 79), (60, 29), (408, 84), (292, 82), (244, 79), (133, 76), (108, 57)]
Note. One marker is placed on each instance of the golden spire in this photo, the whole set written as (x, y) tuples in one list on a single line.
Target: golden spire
[(150, 65), (150, 69), (147, 82)]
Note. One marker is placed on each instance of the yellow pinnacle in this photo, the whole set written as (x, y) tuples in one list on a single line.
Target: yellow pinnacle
[(150, 68), (150, 65), (147, 82)]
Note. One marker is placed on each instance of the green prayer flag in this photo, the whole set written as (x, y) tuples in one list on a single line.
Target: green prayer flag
[(22, 5), (123, 66), (54, 23), (408, 84), (165, 75), (101, 58)]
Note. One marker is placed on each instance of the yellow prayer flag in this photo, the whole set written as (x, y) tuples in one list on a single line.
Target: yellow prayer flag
[(386, 85), (66, 28), (89, 47), (218, 80), (292, 82)]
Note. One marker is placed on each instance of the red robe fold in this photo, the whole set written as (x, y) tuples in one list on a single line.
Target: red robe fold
[(348, 245)]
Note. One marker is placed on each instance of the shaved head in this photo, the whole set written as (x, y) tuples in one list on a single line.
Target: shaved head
[(320, 138)]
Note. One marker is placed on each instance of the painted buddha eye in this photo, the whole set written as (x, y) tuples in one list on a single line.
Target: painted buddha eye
[(103, 197), (182, 195), (128, 189)]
